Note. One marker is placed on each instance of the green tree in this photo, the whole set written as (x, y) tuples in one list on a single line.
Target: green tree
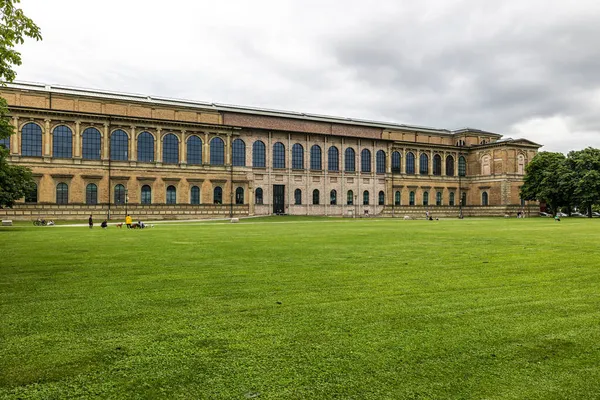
[(585, 175), (546, 180), (15, 181)]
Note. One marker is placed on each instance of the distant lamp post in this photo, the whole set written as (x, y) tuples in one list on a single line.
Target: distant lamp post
[(355, 205)]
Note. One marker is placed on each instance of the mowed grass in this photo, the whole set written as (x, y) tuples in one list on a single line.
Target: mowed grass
[(292, 308)]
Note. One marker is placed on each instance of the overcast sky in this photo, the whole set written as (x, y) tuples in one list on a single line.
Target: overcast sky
[(521, 68)]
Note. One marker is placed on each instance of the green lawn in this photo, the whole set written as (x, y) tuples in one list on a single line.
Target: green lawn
[(293, 308)]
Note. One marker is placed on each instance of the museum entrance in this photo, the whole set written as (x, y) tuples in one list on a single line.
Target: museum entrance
[(278, 199)]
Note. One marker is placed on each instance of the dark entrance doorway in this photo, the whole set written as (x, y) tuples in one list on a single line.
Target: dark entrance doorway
[(278, 199)]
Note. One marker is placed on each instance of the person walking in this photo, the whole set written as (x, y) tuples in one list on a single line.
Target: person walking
[(128, 221), (90, 222)]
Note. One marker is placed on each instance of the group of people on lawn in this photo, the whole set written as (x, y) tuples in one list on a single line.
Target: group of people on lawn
[(128, 222)]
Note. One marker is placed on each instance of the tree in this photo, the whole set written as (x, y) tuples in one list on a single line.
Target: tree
[(546, 177), (585, 175), (15, 181)]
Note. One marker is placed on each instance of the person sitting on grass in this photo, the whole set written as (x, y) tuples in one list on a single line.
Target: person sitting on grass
[(50, 223), (556, 218), (104, 224)]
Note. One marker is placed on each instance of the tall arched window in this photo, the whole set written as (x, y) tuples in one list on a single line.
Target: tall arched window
[(366, 198), (195, 195), (217, 151), (450, 166), (350, 160), (5, 142), (297, 156), (451, 199), (315, 158), (32, 194), (170, 149), (520, 164), (31, 140), (218, 195), (462, 166), (62, 142), (119, 144), (410, 163), (146, 195), (297, 197), (365, 160), (397, 198), (238, 150), (194, 150), (438, 198), (350, 198), (239, 195), (316, 196), (258, 155), (484, 199), (380, 161), (381, 198), (424, 164), (333, 159), (278, 155), (119, 195), (425, 198), (411, 198), (258, 196), (171, 195), (437, 164), (485, 165), (145, 147), (92, 144), (333, 197), (62, 193), (91, 194), (396, 162), (463, 198)]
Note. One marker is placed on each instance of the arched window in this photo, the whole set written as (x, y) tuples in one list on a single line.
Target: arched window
[(450, 166), (396, 162), (366, 198), (315, 158), (333, 159), (278, 155), (258, 155), (218, 195), (424, 164), (238, 150), (410, 163), (32, 194), (5, 142), (333, 197), (194, 150), (170, 149), (463, 198), (365, 160), (485, 165), (119, 144), (484, 199), (397, 198), (437, 164), (92, 144), (350, 160), (31, 140), (451, 199), (425, 198), (462, 166), (195, 195), (316, 196), (521, 164), (438, 199), (145, 147), (217, 151), (258, 196), (411, 199), (380, 161), (62, 193), (350, 198), (91, 194), (297, 197), (171, 195), (146, 195), (381, 198), (62, 142), (239, 195), (297, 156), (119, 195)]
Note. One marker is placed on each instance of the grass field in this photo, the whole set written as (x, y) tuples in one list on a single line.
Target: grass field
[(293, 308)]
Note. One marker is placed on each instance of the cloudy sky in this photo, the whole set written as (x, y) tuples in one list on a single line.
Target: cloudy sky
[(521, 68)]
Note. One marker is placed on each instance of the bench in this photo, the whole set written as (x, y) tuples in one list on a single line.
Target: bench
[(7, 222)]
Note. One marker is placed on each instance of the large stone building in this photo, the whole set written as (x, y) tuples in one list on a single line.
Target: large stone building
[(109, 153)]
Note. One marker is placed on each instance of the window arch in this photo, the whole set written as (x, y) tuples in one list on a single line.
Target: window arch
[(91, 194), (92, 144), (438, 199), (62, 142), (32, 194), (31, 140), (381, 198), (411, 198), (350, 160), (258, 196), (218, 195), (297, 156), (521, 164), (315, 158), (350, 198), (333, 159), (366, 198), (316, 196), (238, 150), (424, 164), (365, 160), (119, 194), (171, 195), (397, 198), (194, 150), (437, 165), (239, 195), (278, 155), (258, 155), (170, 149), (333, 197), (119, 145), (297, 197), (425, 198), (217, 151), (484, 199), (462, 166), (450, 166), (146, 195), (485, 165), (195, 195), (380, 162), (451, 199), (62, 193), (410, 163), (145, 147), (396, 161)]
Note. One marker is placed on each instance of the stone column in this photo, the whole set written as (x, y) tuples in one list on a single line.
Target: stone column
[(182, 155), (228, 160), (417, 164), (77, 141), (206, 152), (15, 138), (158, 147), (105, 142), (132, 145), (46, 138)]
